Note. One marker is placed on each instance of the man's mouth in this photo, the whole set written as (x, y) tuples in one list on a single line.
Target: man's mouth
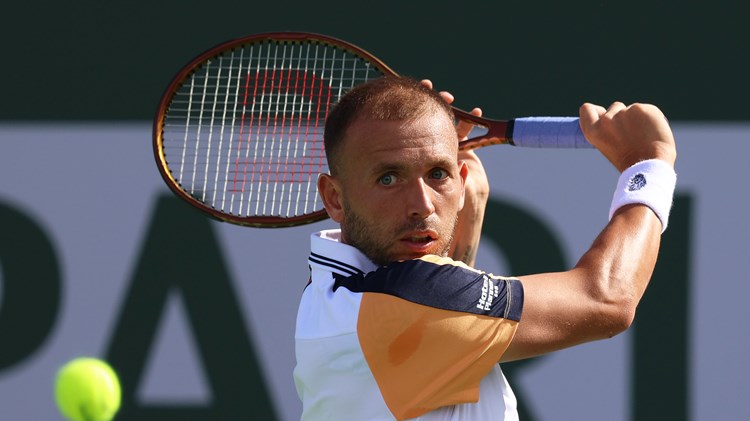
[(420, 239)]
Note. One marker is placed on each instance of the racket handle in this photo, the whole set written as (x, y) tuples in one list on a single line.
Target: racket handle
[(549, 132)]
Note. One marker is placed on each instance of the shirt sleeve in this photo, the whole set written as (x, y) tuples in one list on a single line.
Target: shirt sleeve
[(432, 328)]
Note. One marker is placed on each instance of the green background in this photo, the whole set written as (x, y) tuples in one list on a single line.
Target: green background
[(99, 60), (92, 61)]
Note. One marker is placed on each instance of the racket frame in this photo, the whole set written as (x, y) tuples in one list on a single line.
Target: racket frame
[(185, 73)]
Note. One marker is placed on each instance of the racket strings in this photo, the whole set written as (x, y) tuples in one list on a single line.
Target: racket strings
[(244, 133)]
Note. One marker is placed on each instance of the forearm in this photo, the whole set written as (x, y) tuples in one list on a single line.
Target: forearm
[(598, 297), (468, 230), (620, 262), (467, 234)]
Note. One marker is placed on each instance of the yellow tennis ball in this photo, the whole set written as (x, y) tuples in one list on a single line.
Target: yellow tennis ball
[(87, 389)]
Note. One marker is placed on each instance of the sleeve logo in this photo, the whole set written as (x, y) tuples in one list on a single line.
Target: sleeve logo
[(490, 291)]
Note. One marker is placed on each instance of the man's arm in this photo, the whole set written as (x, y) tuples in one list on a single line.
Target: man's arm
[(469, 226), (598, 297)]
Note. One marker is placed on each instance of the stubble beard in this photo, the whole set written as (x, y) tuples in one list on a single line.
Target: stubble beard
[(358, 233)]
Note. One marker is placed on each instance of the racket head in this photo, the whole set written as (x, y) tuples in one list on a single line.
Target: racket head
[(238, 132)]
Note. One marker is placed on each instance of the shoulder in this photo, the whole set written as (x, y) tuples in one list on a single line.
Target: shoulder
[(443, 283)]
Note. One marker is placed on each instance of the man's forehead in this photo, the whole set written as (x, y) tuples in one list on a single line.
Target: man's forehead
[(372, 134)]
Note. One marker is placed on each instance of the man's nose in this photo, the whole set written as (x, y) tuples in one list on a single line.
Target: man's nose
[(419, 200)]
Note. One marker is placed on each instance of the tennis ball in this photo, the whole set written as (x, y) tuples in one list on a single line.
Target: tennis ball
[(87, 389)]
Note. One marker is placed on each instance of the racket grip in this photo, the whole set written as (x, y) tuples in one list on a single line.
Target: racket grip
[(549, 132)]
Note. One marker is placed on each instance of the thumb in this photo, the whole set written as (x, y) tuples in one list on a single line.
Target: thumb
[(589, 115), (463, 128)]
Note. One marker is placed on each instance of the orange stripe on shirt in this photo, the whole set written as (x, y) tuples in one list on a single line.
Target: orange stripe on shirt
[(424, 358)]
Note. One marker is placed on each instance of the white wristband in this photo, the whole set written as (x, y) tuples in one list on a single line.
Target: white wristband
[(649, 182)]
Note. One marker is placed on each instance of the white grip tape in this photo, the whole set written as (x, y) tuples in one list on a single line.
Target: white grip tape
[(651, 183), (549, 132)]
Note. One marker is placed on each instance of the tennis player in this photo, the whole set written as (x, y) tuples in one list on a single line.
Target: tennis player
[(395, 322)]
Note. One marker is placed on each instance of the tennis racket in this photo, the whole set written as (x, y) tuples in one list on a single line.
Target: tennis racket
[(239, 130)]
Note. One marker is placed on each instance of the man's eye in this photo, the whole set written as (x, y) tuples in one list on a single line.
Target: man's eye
[(439, 173), (387, 180)]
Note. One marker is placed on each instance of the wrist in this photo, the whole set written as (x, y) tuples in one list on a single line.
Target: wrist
[(651, 183)]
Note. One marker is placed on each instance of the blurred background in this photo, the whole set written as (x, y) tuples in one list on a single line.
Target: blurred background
[(97, 258)]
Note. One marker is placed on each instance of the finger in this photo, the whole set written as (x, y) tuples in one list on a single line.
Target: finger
[(615, 108), (589, 114), (447, 97), (463, 128)]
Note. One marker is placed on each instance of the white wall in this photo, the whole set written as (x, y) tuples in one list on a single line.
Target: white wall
[(92, 189)]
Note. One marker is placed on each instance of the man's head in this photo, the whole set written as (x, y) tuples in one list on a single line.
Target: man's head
[(396, 186)]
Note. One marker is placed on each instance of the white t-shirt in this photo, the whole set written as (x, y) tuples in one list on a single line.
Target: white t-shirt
[(418, 339)]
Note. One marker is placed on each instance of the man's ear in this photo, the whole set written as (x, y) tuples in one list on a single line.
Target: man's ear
[(330, 191), (463, 172)]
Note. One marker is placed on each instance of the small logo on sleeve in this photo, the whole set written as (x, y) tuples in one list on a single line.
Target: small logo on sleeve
[(637, 182), (490, 291)]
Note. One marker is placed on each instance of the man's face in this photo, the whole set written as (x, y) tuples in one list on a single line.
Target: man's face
[(401, 187)]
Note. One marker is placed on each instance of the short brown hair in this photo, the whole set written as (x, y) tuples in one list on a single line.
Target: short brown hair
[(385, 98)]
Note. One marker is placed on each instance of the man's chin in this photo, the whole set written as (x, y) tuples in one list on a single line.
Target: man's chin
[(417, 254), (399, 253)]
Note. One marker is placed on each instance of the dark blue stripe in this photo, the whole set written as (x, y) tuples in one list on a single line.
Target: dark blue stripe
[(515, 307), (446, 287), (322, 260), (353, 268)]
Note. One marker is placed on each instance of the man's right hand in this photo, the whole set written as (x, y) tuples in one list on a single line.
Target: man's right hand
[(628, 134)]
